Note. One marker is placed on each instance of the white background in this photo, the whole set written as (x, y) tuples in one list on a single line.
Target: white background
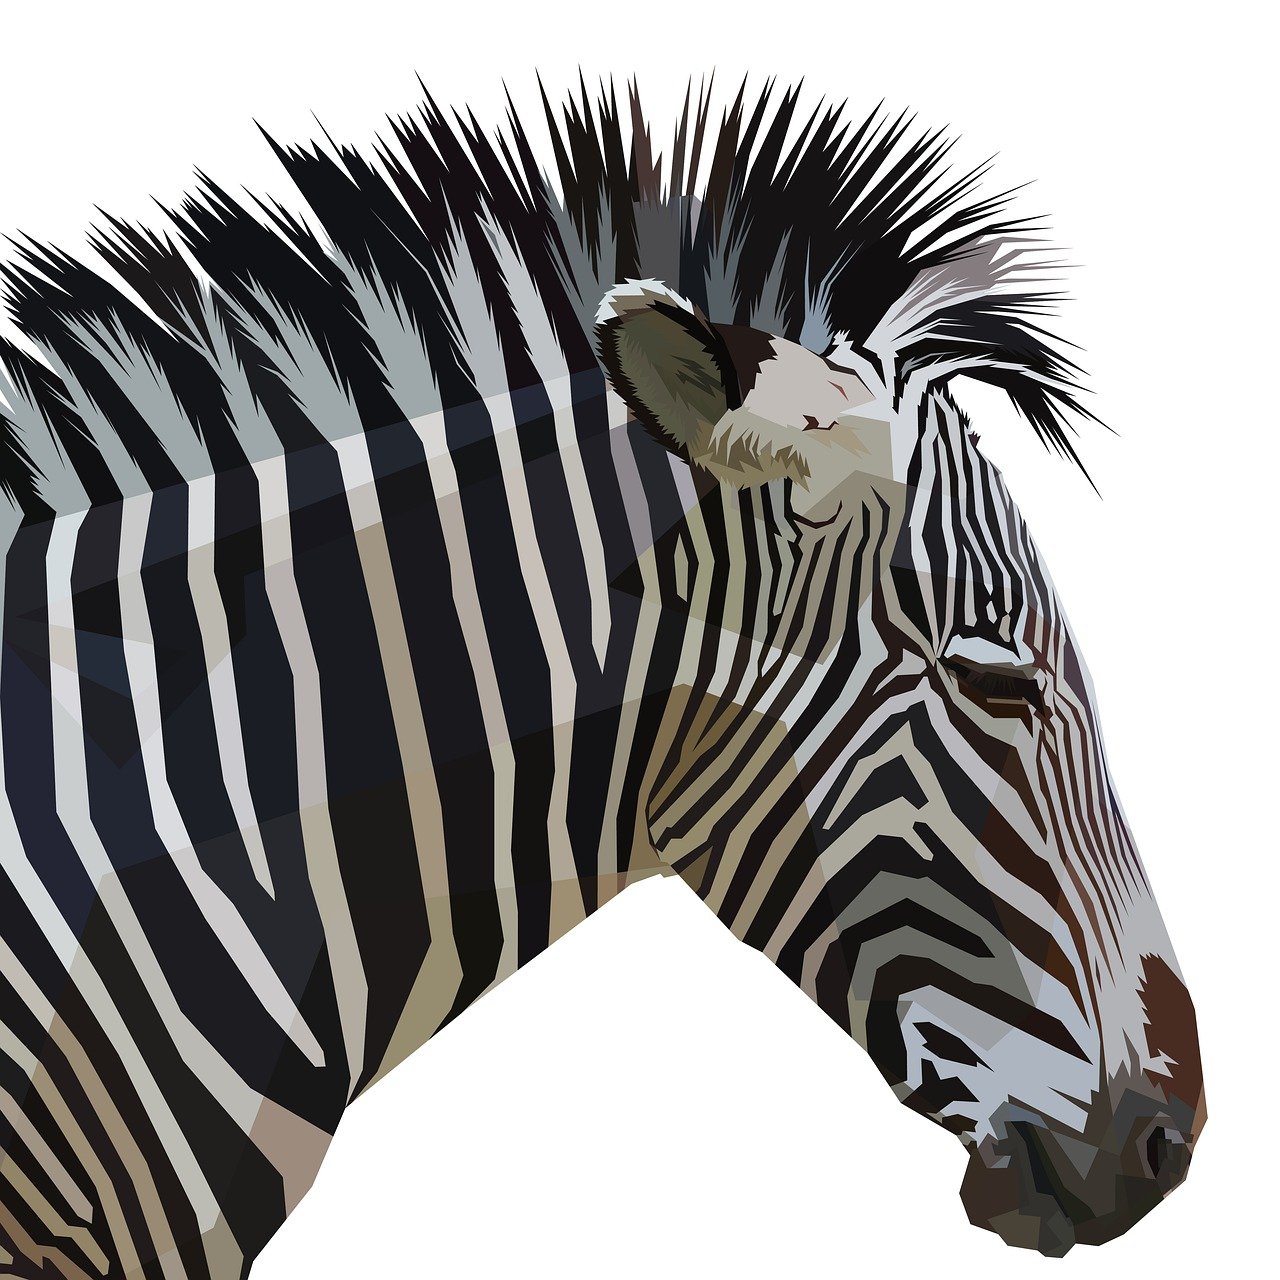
[(649, 1097)]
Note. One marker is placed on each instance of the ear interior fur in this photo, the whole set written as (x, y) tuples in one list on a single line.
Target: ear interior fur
[(670, 364)]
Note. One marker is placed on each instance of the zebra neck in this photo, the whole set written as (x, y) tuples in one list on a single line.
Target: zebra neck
[(389, 711)]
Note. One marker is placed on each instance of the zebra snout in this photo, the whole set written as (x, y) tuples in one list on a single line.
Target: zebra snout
[(1044, 1190)]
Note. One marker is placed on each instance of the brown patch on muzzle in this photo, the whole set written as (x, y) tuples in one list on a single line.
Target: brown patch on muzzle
[(1172, 1035)]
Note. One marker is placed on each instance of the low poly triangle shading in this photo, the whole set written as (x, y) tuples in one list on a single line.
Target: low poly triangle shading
[(389, 585)]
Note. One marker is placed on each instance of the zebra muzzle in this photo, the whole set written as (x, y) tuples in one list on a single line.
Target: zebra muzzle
[(1040, 1189)]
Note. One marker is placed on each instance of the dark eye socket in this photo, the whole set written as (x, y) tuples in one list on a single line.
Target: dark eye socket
[(998, 686)]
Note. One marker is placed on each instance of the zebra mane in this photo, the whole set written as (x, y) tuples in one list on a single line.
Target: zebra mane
[(407, 282)]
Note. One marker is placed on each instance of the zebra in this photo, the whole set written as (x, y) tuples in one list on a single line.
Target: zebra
[(391, 583)]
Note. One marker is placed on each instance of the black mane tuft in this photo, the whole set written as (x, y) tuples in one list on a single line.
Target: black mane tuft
[(813, 227)]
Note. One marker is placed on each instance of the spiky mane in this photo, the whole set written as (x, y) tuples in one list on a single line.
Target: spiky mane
[(814, 228)]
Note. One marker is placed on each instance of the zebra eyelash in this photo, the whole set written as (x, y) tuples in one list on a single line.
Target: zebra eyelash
[(998, 686)]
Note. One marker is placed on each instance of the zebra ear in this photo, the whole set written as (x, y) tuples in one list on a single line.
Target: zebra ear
[(740, 403), (668, 362)]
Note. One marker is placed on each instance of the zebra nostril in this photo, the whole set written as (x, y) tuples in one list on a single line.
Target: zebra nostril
[(1167, 1156)]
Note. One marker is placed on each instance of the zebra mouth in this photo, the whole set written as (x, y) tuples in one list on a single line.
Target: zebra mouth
[(1015, 1198)]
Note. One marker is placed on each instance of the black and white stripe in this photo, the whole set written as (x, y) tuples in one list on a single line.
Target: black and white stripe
[(359, 641)]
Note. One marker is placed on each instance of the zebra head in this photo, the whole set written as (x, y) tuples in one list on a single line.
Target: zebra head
[(891, 779)]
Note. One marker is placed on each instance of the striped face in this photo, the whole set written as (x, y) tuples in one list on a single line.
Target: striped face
[(889, 777)]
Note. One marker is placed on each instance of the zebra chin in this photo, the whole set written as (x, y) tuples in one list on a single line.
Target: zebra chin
[(1039, 1188)]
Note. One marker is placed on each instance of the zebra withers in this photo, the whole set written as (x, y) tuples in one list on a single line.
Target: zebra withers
[(387, 587)]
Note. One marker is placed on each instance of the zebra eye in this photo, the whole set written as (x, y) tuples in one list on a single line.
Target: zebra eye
[(998, 687)]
